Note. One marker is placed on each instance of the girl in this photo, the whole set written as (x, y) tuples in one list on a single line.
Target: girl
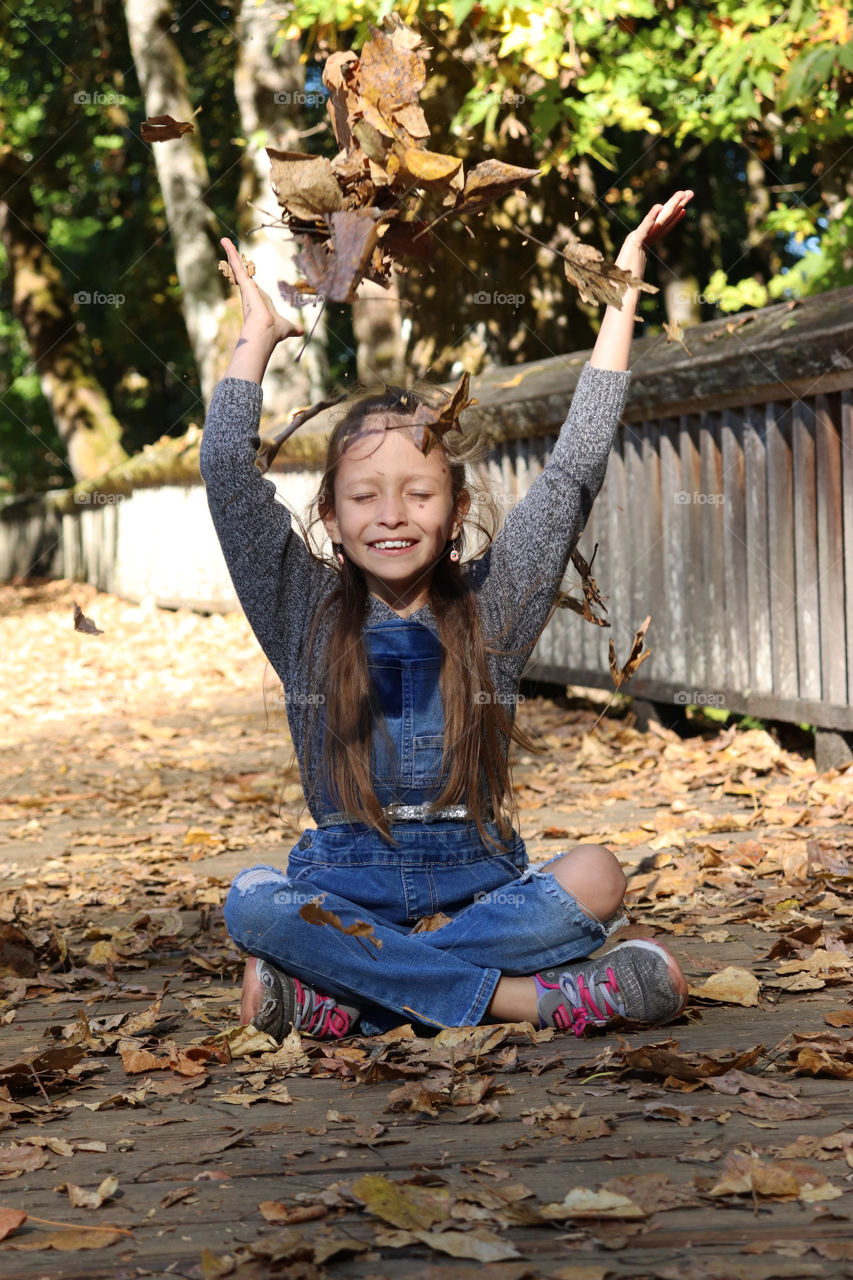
[(397, 697)]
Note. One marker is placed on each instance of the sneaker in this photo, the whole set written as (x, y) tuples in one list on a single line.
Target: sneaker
[(632, 981), (290, 1005)]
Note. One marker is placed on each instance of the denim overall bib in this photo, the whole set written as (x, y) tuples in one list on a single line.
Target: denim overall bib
[(502, 916), (404, 661)]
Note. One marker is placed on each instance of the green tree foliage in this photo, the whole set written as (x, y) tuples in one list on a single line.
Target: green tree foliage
[(70, 107)]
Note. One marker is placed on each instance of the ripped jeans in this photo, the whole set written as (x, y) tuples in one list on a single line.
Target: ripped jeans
[(504, 918)]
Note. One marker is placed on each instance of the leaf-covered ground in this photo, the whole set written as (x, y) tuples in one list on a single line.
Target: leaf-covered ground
[(146, 1134)]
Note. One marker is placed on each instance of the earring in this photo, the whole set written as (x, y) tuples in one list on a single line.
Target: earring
[(454, 554), (338, 547)]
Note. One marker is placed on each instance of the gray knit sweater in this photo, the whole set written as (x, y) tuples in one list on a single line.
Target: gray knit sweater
[(280, 585)]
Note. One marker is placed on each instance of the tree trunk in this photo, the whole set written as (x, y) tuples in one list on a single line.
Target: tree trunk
[(182, 171), (269, 93), (56, 338), (378, 329)]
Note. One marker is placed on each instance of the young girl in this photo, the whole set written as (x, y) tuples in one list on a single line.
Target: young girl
[(397, 681)]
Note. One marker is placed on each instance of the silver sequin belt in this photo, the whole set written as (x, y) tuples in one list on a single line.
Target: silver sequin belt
[(402, 813)]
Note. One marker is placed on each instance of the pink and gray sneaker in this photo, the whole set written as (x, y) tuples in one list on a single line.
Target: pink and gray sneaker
[(290, 1005), (632, 981)]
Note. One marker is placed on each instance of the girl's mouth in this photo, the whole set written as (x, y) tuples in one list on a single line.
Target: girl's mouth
[(391, 549)]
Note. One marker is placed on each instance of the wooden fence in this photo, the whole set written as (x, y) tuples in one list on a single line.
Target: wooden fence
[(727, 517)]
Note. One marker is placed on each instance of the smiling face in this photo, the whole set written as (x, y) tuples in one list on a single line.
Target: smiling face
[(387, 491)]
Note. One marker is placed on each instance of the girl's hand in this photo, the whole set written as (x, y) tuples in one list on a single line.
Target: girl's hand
[(260, 318), (660, 220)]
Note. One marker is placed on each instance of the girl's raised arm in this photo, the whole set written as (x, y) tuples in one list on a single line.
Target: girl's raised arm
[(273, 573), (520, 573), (613, 344)]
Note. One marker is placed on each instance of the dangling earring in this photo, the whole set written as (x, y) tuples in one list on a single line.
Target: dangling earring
[(454, 554), (338, 551)]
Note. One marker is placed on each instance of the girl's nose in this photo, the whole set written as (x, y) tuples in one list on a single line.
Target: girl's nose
[(391, 510)]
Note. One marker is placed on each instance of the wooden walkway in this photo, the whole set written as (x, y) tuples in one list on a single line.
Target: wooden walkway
[(195, 1162)]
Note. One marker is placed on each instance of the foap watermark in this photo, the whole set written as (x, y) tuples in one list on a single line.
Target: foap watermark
[(501, 898), (85, 299), (293, 898), (508, 97), (298, 99), (503, 699), (485, 298), (698, 698), (97, 498), (82, 98), (302, 699), (684, 498), (692, 98)]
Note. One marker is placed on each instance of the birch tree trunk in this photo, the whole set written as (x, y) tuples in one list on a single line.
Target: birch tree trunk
[(270, 96), (57, 341), (182, 171)]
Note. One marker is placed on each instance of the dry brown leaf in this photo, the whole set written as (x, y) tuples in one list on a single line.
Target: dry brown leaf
[(402, 1204), (596, 279), (730, 986), (164, 129), (582, 1202), (90, 1197), (745, 1174), (314, 913), (635, 657), (16, 1159), (71, 1239), (10, 1220), (277, 1212)]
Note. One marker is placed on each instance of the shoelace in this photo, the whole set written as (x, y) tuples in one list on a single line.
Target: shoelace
[(318, 1015), (585, 998)]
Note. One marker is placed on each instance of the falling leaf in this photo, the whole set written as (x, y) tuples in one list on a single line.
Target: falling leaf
[(384, 171), (225, 268), (164, 129), (491, 180), (675, 333), (591, 594), (82, 623), (635, 657), (595, 279)]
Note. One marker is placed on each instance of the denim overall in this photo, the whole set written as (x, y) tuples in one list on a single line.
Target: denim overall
[(504, 917)]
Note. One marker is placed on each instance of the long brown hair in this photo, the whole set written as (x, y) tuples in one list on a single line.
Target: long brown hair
[(477, 729)]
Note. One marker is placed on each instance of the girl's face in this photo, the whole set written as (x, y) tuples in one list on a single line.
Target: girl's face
[(387, 491)]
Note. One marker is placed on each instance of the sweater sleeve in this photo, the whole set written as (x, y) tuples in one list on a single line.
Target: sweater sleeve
[(275, 577), (518, 576)]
